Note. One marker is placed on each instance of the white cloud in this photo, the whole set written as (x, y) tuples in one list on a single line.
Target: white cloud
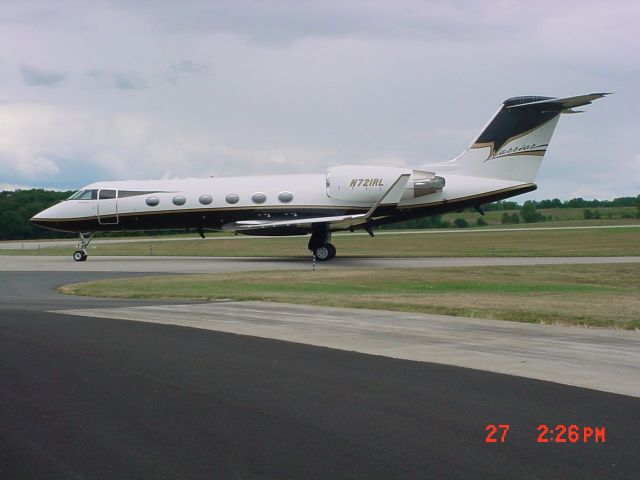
[(39, 166), (125, 146), (29, 141), (11, 187)]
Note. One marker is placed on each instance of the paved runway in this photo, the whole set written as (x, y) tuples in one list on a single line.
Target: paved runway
[(608, 360), (71, 243), (150, 264), (90, 397)]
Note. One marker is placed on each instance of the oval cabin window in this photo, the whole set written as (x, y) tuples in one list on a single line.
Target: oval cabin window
[(285, 197), (179, 200), (205, 199), (259, 197), (232, 198), (153, 201)]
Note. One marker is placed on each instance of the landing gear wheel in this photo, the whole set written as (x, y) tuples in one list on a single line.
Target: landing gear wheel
[(325, 252), (79, 256)]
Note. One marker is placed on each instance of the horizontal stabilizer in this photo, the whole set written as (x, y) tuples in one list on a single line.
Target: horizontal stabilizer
[(558, 104)]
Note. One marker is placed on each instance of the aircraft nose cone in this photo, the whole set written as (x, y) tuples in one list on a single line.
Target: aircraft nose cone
[(43, 218), (58, 217), (37, 220)]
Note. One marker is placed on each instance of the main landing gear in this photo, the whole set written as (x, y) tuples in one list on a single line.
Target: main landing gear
[(320, 246), (80, 255)]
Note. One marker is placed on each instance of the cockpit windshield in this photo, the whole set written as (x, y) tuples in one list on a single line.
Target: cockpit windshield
[(84, 195)]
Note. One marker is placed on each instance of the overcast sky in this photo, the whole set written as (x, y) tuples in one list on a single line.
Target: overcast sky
[(108, 90)]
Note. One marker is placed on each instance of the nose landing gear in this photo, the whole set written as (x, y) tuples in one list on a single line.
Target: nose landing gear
[(80, 255)]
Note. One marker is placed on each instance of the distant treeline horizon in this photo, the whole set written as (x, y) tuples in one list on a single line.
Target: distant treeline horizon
[(572, 203), (18, 206)]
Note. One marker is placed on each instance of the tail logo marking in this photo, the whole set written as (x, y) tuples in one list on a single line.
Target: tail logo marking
[(532, 149)]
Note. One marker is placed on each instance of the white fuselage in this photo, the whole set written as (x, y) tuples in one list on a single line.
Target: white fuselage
[(218, 203)]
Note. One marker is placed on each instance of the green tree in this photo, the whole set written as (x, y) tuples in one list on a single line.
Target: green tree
[(529, 213), (461, 223), (16, 208), (577, 203)]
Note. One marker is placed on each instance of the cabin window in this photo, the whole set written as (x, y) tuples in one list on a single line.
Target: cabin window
[(179, 200), (205, 199), (107, 194), (232, 198), (132, 193), (259, 197), (85, 195), (285, 197), (76, 195), (153, 201)]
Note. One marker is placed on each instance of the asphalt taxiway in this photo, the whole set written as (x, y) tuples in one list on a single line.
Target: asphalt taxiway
[(90, 396), (151, 264)]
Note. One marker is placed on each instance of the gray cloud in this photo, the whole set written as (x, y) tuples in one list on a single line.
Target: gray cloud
[(186, 67), (286, 22), (116, 79), (37, 77)]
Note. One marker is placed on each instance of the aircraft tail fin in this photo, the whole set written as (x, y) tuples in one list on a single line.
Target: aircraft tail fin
[(511, 146)]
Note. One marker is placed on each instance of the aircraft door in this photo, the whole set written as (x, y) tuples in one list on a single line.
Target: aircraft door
[(108, 207)]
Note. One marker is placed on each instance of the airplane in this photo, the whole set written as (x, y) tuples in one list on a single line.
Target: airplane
[(500, 163)]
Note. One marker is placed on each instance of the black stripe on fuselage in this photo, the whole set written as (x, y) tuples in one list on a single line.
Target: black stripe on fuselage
[(189, 218)]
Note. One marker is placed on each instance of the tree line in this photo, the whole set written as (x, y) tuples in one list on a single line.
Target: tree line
[(17, 207), (573, 203)]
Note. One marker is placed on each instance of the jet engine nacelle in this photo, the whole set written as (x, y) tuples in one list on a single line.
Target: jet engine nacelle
[(425, 183), (365, 183)]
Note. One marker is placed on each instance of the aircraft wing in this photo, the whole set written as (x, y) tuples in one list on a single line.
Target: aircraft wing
[(339, 221), (391, 196)]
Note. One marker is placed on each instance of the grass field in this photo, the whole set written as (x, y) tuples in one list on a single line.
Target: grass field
[(432, 243), (592, 295), (559, 216)]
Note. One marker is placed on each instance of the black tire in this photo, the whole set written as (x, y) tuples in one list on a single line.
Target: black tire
[(332, 250), (79, 256), (323, 253)]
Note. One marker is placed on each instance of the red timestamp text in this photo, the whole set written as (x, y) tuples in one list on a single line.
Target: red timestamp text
[(497, 434), (560, 433), (571, 434)]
